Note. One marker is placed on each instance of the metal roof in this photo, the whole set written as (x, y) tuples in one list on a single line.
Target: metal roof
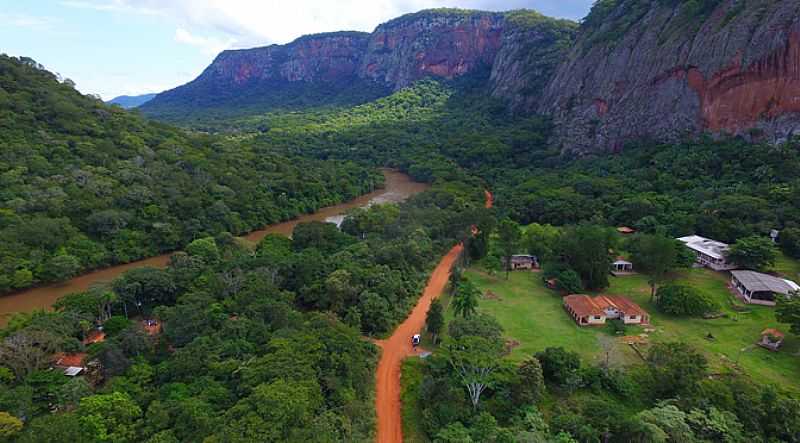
[(758, 282), (712, 248)]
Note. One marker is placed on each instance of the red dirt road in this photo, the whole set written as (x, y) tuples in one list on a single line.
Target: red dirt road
[(398, 347)]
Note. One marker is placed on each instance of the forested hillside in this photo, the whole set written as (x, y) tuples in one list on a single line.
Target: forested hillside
[(725, 189), (85, 185)]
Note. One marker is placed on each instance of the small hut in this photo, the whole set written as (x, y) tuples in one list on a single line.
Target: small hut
[(771, 339), (620, 265)]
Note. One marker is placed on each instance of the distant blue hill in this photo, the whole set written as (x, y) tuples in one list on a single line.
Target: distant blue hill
[(131, 101)]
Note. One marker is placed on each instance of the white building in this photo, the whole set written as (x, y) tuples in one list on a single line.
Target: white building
[(710, 253)]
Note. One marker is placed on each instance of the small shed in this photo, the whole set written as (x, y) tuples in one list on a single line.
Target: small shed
[(771, 339), (73, 371), (621, 265), (524, 261)]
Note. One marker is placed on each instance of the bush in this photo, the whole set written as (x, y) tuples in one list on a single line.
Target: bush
[(115, 325), (684, 301), (558, 364), (616, 327)]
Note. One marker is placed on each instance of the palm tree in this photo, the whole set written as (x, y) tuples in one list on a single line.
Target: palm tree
[(465, 300)]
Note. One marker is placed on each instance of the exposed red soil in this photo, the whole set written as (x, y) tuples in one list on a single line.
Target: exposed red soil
[(398, 347)]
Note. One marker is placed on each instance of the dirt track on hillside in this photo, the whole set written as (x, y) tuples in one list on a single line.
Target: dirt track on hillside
[(398, 347)]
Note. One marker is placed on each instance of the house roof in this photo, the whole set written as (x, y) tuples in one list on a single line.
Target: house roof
[(712, 248), (758, 282), (625, 230), (67, 360), (622, 304), (95, 337), (622, 262), (773, 332), (583, 305)]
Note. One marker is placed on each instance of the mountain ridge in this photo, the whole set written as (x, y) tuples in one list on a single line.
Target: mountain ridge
[(349, 68), (131, 101), (632, 70)]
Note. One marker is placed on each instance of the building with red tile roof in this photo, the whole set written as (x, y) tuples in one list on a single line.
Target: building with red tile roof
[(65, 360), (586, 310)]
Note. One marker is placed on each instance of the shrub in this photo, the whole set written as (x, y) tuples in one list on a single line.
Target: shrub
[(558, 364), (115, 325), (684, 301), (616, 326)]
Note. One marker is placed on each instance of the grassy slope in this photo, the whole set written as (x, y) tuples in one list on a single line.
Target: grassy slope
[(410, 381), (532, 315)]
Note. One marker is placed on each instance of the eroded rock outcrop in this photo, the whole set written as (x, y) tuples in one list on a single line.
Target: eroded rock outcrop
[(348, 67), (655, 69), (444, 44), (532, 48)]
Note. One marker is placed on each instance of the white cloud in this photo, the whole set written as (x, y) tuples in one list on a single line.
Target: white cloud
[(34, 22), (247, 23), (209, 45)]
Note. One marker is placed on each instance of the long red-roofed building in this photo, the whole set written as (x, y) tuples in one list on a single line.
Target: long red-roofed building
[(587, 311)]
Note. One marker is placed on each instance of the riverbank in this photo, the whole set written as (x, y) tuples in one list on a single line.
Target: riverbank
[(397, 188)]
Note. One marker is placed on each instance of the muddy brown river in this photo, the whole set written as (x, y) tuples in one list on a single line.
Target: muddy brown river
[(398, 188)]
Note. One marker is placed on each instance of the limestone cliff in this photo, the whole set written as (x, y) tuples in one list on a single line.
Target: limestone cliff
[(665, 69)]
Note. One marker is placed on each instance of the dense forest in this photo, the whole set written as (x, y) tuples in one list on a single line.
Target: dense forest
[(723, 188), (85, 185), (255, 345)]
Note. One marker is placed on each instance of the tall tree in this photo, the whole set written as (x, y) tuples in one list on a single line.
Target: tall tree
[(465, 300), (753, 252), (585, 249), (655, 255), (434, 319), (475, 359), (508, 239)]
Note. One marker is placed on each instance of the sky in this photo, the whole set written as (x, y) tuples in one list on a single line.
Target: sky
[(130, 47)]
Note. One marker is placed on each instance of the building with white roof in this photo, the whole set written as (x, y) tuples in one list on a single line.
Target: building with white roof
[(761, 289), (710, 253)]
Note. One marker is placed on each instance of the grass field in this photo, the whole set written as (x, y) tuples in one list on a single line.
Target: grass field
[(533, 315)]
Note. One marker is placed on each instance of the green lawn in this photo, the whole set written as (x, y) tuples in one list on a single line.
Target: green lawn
[(734, 334), (533, 315), (410, 381)]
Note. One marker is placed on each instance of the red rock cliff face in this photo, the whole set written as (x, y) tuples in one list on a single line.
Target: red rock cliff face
[(735, 70), (324, 57), (737, 98), (427, 44)]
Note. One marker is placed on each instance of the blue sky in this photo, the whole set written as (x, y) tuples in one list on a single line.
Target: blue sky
[(114, 47)]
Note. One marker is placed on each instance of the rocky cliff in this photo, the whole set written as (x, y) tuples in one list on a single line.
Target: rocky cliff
[(349, 67), (440, 43), (532, 48), (665, 69), (313, 69)]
